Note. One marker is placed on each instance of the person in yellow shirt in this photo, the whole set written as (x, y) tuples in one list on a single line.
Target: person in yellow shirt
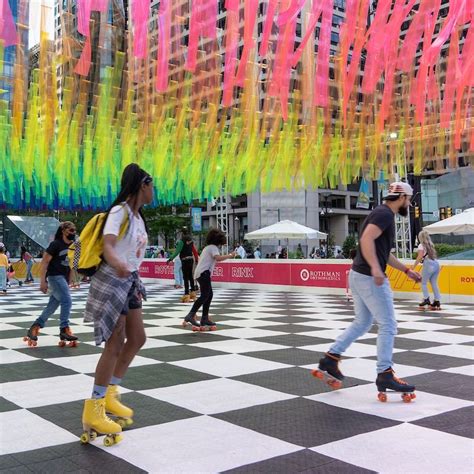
[(3, 269)]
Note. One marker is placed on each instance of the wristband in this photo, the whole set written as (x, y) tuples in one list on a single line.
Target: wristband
[(407, 269)]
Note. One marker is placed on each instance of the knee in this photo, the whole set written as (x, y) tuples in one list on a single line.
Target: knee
[(388, 327), (66, 301), (137, 341)]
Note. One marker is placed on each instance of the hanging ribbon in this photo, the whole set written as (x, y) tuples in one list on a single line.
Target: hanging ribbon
[(140, 17), (164, 24), (7, 24)]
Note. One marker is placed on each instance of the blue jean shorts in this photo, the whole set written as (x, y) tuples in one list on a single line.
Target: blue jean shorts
[(134, 299)]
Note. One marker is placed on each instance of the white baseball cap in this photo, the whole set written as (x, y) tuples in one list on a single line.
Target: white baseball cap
[(398, 188)]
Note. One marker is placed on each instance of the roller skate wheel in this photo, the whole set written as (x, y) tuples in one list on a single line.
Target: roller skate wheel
[(121, 422), (382, 397), (184, 324), (318, 374), (85, 438), (406, 397), (334, 384), (93, 435), (413, 396), (73, 344), (109, 441), (196, 328), (25, 338), (117, 438)]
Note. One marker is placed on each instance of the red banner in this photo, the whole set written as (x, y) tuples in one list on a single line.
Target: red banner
[(264, 272)]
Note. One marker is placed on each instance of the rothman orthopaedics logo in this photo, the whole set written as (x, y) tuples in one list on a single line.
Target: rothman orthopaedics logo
[(306, 275)]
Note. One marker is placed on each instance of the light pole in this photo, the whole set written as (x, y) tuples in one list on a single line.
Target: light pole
[(325, 212), (236, 223)]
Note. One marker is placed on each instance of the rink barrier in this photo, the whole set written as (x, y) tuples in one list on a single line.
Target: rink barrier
[(456, 280)]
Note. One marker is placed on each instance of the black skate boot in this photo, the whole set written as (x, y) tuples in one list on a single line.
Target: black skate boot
[(208, 325), (436, 306), (388, 382), (32, 335), (191, 319), (66, 336), (425, 303), (329, 370)]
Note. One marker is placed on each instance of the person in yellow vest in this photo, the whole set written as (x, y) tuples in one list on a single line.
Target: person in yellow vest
[(3, 269)]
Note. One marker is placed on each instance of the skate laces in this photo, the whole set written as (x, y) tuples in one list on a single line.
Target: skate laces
[(68, 331), (396, 379), (99, 409)]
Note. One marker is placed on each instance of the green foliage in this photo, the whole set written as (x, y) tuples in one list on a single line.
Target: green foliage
[(350, 243), (446, 249), (330, 246)]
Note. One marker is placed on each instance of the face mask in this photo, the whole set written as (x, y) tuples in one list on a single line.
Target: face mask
[(71, 236)]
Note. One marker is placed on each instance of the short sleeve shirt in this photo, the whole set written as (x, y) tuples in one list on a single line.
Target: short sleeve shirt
[(131, 248), (207, 261), (383, 217), (59, 264)]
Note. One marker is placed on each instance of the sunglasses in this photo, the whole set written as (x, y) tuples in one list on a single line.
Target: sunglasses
[(147, 180)]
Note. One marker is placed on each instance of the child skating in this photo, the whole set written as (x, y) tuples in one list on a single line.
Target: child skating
[(55, 274), (209, 257), (373, 297), (114, 305)]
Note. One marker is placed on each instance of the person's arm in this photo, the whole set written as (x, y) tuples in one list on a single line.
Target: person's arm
[(179, 247), (221, 258), (195, 253), (367, 246), (112, 258), (43, 270), (419, 258), (395, 263)]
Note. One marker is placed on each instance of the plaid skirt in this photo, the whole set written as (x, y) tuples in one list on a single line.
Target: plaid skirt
[(107, 297)]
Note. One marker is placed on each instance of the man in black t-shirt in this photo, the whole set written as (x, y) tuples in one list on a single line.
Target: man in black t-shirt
[(372, 295), (55, 272)]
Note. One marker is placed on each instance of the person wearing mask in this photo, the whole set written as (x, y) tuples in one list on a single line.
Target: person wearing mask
[(240, 251), (29, 261), (114, 305), (55, 275), (430, 273), (188, 254), (209, 257), (372, 295)]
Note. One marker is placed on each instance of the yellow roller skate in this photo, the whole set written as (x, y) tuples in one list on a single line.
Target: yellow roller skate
[(193, 296), (185, 299), (95, 421), (122, 414)]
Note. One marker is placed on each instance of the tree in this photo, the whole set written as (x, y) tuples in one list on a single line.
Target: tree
[(350, 243), (167, 227)]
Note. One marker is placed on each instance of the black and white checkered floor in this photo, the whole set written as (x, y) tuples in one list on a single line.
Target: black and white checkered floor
[(241, 399)]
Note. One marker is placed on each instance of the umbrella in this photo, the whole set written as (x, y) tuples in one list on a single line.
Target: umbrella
[(285, 230), (459, 224)]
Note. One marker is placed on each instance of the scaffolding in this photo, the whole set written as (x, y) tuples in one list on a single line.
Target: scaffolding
[(222, 215)]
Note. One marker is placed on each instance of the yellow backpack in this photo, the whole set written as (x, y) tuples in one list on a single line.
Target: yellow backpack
[(86, 253)]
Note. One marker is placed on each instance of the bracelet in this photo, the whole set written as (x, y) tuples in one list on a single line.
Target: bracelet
[(407, 269)]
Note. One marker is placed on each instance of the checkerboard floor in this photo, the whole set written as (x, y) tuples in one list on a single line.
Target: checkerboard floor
[(241, 399)]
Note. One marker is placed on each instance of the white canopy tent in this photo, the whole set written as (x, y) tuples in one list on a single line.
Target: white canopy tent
[(459, 224), (285, 230)]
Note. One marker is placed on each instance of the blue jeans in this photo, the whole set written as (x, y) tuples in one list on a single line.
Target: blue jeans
[(430, 274), (29, 266), (3, 279), (370, 302), (178, 272), (60, 296)]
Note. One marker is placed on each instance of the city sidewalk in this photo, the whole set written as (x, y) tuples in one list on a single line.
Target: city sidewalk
[(241, 399)]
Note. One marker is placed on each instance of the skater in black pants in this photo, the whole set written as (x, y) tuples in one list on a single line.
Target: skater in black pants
[(210, 255), (188, 254)]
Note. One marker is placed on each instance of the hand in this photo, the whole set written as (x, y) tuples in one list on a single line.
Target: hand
[(415, 276), (44, 287), (122, 270), (379, 277), (168, 262), (233, 254)]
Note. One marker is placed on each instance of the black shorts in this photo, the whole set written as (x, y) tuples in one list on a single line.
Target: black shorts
[(134, 300)]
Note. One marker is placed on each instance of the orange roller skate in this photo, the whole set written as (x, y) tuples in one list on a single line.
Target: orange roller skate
[(208, 325), (31, 337), (191, 319), (67, 338), (328, 371), (388, 383)]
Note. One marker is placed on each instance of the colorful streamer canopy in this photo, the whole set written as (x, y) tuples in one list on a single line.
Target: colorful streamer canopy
[(243, 93)]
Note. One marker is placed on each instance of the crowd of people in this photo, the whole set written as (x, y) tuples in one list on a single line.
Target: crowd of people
[(116, 292)]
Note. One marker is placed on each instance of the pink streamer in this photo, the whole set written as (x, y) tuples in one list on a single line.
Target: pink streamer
[(83, 16), (193, 44), (100, 5), (231, 43), (267, 29), (209, 19), (315, 14), (164, 22), (291, 13), (84, 64), (321, 78), (452, 75), (250, 12), (7, 24), (140, 17)]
